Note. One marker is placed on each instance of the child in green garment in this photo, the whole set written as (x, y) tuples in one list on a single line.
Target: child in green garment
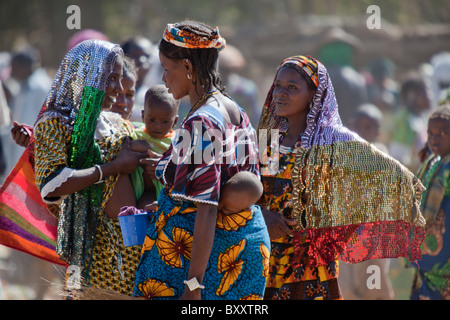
[(159, 117)]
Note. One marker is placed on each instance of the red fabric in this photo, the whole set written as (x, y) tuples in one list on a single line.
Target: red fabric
[(26, 224), (359, 242)]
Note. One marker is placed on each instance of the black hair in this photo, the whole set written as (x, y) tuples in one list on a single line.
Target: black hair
[(413, 83), (441, 112), (204, 61), (159, 93), (129, 66), (132, 43)]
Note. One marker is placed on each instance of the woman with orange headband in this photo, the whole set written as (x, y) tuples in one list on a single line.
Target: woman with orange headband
[(227, 255)]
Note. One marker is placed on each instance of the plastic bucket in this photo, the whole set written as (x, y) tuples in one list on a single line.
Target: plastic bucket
[(133, 228)]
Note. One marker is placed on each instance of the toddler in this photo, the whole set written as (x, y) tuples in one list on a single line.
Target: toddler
[(239, 193), (159, 117)]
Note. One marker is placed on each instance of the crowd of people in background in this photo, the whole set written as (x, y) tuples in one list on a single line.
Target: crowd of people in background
[(395, 113)]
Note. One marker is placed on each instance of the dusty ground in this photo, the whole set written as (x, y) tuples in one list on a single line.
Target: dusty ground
[(24, 277)]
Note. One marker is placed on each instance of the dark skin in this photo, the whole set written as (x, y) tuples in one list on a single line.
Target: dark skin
[(175, 77), (126, 161), (20, 135), (292, 96)]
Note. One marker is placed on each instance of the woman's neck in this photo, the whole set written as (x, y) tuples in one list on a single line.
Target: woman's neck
[(296, 126), (197, 93), (195, 97)]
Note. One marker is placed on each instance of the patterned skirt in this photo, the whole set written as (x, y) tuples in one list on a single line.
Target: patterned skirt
[(238, 264), (113, 265), (286, 282)]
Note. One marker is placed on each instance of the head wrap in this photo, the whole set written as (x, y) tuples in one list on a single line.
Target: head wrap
[(307, 64), (362, 204), (76, 98), (186, 39)]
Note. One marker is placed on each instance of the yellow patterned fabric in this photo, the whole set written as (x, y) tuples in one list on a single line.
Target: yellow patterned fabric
[(76, 98), (285, 282), (352, 202), (113, 265)]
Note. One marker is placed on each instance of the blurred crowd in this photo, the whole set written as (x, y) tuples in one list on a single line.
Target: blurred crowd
[(384, 107)]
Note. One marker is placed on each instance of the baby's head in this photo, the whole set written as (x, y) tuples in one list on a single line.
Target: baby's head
[(439, 130), (242, 191), (160, 112)]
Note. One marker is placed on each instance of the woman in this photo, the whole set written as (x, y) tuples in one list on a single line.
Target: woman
[(227, 256), (125, 100), (431, 279), (329, 194), (82, 162)]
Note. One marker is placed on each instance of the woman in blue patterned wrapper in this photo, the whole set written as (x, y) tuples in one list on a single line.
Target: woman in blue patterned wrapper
[(82, 157), (192, 249)]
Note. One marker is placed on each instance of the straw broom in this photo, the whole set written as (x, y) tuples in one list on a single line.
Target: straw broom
[(91, 293)]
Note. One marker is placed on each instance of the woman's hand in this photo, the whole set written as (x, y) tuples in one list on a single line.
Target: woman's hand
[(19, 134), (139, 146), (152, 207), (127, 160), (149, 164), (277, 225)]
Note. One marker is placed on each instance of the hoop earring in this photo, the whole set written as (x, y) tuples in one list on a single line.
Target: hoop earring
[(189, 76)]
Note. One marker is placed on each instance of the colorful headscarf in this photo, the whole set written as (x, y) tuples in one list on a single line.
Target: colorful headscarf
[(76, 98), (362, 204), (186, 39)]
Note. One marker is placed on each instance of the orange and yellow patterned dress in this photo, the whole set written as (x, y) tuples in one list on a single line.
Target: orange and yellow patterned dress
[(285, 281)]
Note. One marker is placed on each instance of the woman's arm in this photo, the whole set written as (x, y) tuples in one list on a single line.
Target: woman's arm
[(125, 162), (204, 231)]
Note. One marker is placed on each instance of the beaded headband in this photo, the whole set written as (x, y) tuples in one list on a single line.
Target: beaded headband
[(307, 64), (186, 39)]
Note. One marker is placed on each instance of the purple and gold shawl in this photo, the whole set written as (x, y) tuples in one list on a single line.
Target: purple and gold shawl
[(352, 201)]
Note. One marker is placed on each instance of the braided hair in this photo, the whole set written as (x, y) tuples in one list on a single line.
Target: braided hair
[(204, 61)]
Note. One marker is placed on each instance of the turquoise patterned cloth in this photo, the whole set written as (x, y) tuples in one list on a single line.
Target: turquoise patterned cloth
[(239, 260), (238, 264)]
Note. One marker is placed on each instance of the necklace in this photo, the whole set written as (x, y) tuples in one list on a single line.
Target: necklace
[(285, 155), (197, 104)]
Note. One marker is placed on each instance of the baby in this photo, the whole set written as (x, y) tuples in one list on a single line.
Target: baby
[(159, 117), (239, 193)]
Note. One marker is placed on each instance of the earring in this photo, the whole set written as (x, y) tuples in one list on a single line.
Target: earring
[(189, 76)]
